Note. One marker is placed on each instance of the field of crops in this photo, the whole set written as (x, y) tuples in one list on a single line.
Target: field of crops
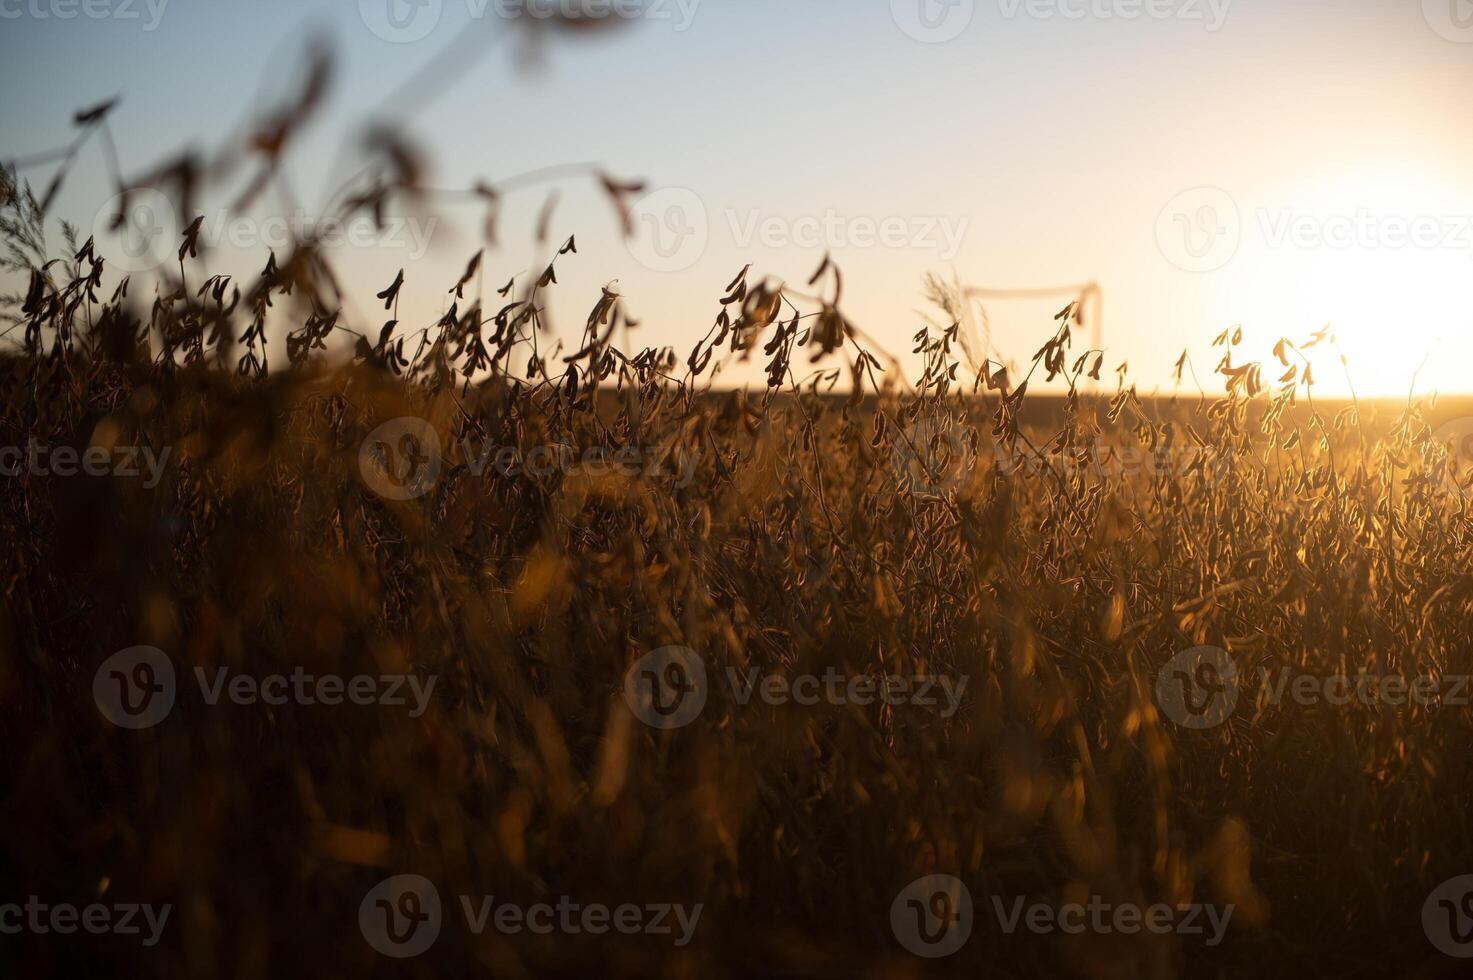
[(429, 655)]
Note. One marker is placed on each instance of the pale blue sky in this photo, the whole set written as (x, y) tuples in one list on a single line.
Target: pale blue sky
[(1055, 148)]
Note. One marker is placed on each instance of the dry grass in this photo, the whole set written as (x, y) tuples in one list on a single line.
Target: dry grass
[(805, 538)]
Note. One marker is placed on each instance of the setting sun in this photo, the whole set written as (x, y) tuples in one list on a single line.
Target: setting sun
[(736, 489)]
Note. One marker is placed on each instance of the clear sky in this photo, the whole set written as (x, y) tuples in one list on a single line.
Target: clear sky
[(1277, 164)]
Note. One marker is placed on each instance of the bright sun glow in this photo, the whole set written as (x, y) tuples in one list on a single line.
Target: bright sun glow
[(1387, 262)]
